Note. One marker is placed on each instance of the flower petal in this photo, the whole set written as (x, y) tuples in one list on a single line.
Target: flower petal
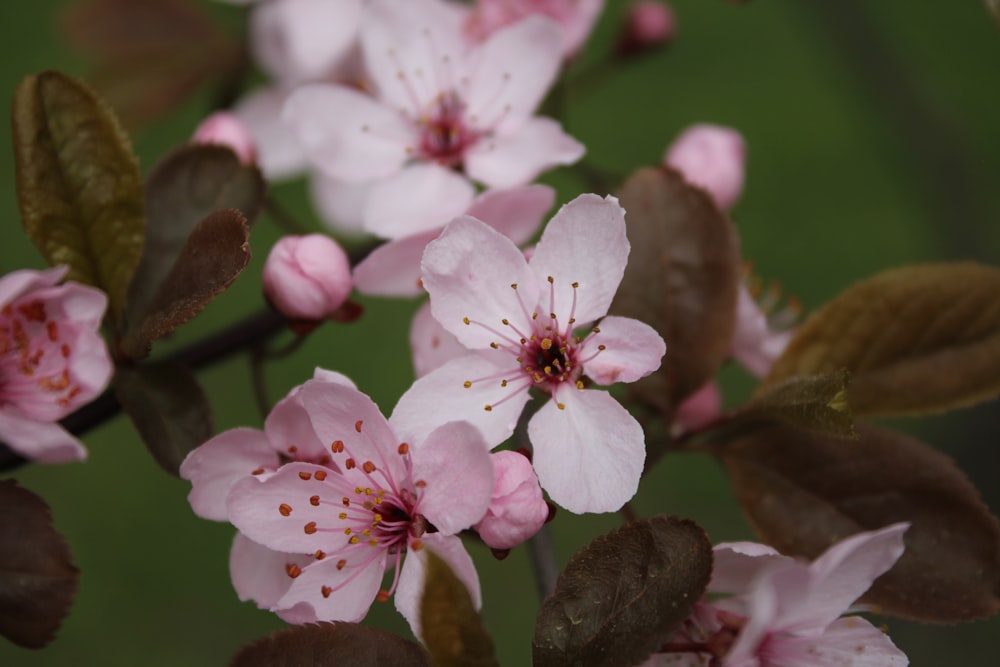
[(220, 462), (346, 134), (279, 155), (341, 206), (469, 271), (454, 464), (335, 593), (847, 642), (440, 397), (260, 574), (632, 349), (393, 268), (518, 157), (290, 431), (411, 580), (588, 455), (585, 243), (431, 344), (737, 564), (516, 212), (22, 281), (45, 442), (418, 198)]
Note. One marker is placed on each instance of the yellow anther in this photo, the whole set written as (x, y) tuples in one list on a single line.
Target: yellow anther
[(466, 384), (561, 406), (551, 279), (575, 285), (488, 408), (546, 343), (343, 515), (466, 320), (354, 540)]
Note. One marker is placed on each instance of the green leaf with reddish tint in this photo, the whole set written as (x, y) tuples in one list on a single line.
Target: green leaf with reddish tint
[(183, 189), (802, 491), (151, 55), (451, 627), (682, 278), (623, 595), (214, 254), (78, 184), (335, 644), (38, 579), (917, 340), (167, 407)]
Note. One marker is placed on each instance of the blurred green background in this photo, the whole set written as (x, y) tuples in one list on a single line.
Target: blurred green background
[(873, 140)]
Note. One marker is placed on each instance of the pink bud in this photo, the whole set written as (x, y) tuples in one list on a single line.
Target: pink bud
[(712, 157), (307, 277), (226, 129), (700, 408), (517, 509), (649, 24)]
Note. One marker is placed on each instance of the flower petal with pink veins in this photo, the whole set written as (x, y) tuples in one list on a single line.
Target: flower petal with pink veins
[(217, 464), (588, 455), (468, 271), (341, 206), (350, 589), (393, 268), (418, 198), (46, 442), (847, 642), (414, 51), (290, 431), (333, 376), (16, 283), (516, 212), (279, 155), (432, 346), (258, 573), (346, 134), (632, 350), (584, 242), (440, 396), (454, 463), (518, 157), (82, 304), (411, 580), (510, 73)]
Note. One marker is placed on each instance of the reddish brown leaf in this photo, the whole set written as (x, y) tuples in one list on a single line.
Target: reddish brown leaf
[(334, 644), (38, 579), (803, 491)]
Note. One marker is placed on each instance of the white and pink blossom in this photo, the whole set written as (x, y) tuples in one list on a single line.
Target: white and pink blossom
[(436, 117), (577, 18), (517, 509), (712, 157), (53, 360), (530, 325), (307, 277)]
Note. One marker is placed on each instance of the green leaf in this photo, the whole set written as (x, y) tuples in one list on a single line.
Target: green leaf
[(186, 187), (150, 55), (334, 644), (38, 579), (215, 253), (682, 278), (78, 184), (917, 340), (623, 595), (802, 491), (451, 627), (168, 408)]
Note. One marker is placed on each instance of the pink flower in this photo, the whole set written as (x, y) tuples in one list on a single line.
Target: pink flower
[(755, 344), (52, 360), (521, 319), (712, 157), (699, 409), (226, 129), (439, 115), (648, 24), (517, 509), (787, 612), (330, 494), (307, 277), (577, 17)]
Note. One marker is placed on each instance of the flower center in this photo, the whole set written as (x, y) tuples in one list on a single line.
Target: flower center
[(33, 355), (444, 136)]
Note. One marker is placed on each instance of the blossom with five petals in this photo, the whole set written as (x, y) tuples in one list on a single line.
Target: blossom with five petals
[(521, 320)]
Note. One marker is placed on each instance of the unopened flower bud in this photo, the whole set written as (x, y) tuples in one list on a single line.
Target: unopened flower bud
[(307, 277), (649, 24), (699, 409), (517, 509), (226, 129), (712, 157)]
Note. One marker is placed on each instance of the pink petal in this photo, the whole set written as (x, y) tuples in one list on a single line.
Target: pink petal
[(847, 642), (352, 588), (585, 243), (518, 157), (754, 345), (700, 408), (440, 397), (737, 564), (589, 455), (419, 198), (17, 283), (393, 268), (431, 344), (44, 442), (455, 464), (413, 51), (712, 157), (290, 431), (279, 155), (517, 212), (341, 206), (464, 285), (82, 304), (220, 462), (346, 134), (260, 574), (411, 580), (632, 350), (511, 72), (517, 508), (333, 376)]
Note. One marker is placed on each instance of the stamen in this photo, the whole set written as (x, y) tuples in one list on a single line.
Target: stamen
[(284, 509)]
